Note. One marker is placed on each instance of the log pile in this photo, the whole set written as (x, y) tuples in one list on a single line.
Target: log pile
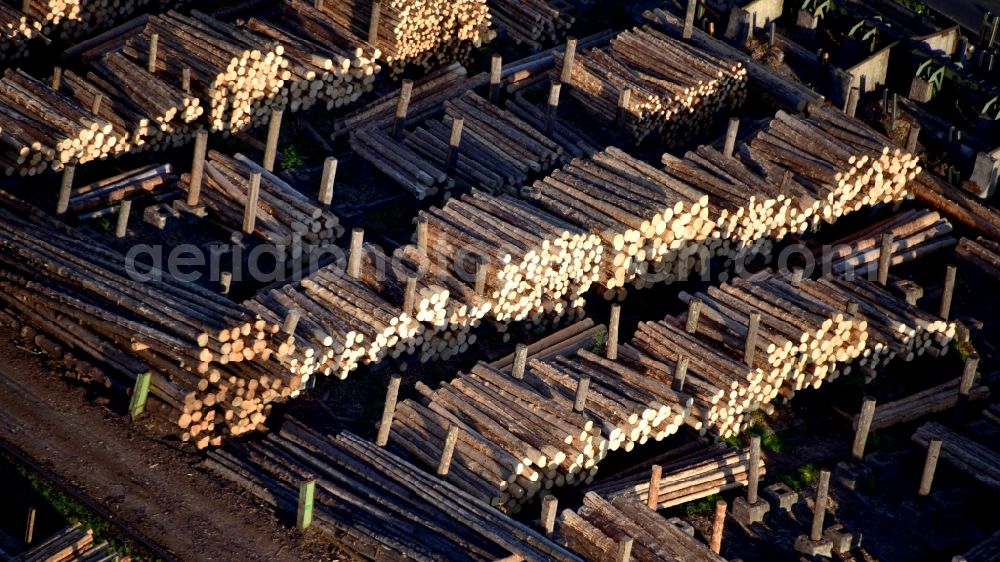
[(975, 460), (914, 233), (957, 205), (16, 30), (71, 19), (293, 225), (984, 551), (377, 504), (102, 198), (532, 22), (674, 88), (567, 341), (576, 139), (982, 253), (425, 34), (600, 526), (915, 406), (72, 544)]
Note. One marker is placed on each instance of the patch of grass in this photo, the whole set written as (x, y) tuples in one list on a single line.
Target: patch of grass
[(600, 342), (104, 223), (704, 506), (290, 158), (964, 349), (803, 477), (882, 442)]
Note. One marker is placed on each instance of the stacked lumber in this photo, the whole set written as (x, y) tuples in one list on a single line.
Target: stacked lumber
[(956, 204), (72, 544), (16, 30), (322, 73), (102, 198), (600, 526), (285, 218), (651, 226), (966, 455), (425, 34), (674, 88), (984, 551), (416, 174), (577, 139), (208, 357), (982, 253), (532, 22), (71, 19), (377, 504), (567, 341), (915, 406), (535, 67), (914, 233)]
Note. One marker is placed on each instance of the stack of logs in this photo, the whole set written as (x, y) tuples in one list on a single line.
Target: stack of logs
[(653, 84), (375, 503), (982, 253), (102, 198), (72, 544), (915, 234), (16, 30), (71, 19), (532, 22), (283, 217), (425, 34), (601, 527), (974, 459)]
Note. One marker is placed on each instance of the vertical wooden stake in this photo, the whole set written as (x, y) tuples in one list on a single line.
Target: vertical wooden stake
[(121, 228), (56, 78), (186, 80), (65, 189), (250, 212), (226, 280), (197, 167), (273, 132), (520, 361), (318, 4), (95, 106), (718, 527), (29, 528), (569, 58), (750, 345), (930, 465), (448, 451), (496, 70), (895, 107), (481, 269), (694, 312), (354, 257), (680, 373), (550, 505), (624, 553), (753, 475), (291, 322), (154, 40), (307, 493), (912, 137), (771, 34), (388, 411), (655, 475), (611, 348), (731, 132), (137, 405), (402, 108), (950, 276), (422, 235), (864, 424), (819, 513), (373, 23), (852, 102), (797, 275), (688, 31), (965, 386), (582, 387), (454, 144), (327, 181), (410, 296), (852, 308), (624, 99), (885, 258), (553, 107)]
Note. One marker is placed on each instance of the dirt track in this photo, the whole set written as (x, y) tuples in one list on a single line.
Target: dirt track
[(157, 489)]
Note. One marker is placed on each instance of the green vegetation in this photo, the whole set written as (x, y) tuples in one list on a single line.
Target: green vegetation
[(916, 6), (104, 224), (769, 440), (804, 476), (290, 158), (704, 506), (600, 342)]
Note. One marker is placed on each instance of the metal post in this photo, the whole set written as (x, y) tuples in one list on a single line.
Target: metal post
[(137, 405), (307, 493)]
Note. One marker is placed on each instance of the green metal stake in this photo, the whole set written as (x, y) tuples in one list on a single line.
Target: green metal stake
[(307, 490), (139, 395)]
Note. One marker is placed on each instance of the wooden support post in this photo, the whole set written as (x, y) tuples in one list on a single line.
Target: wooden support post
[(291, 322), (250, 212), (930, 466), (496, 70), (480, 283), (731, 132), (771, 34), (611, 347), (750, 345), (448, 451), (550, 508), (852, 308), (553, 108), (273, 132), (969, 371), (454, 144), (582, 387), (186, 79), (653, 499), (912, 137), (402, 108), (797, 275), (520, 361), (624, 552), (29, 527), (680, 373), (354, 257), (95, 106), (373, 23), (197, 168), (753, 476), (154, 41), (819, 512), (688, 31), (624, 99), (569, 59), (885, 258), (327, 181), (694, 312), (226, 280), (718, 527), (388, 411), (895, 108), (318, 4), (56, 78), (307, 493), (65, 189), (422, 235), (410, 296), (852, 102), (137, 405), (950, 276), (121, 228), (861, 432)]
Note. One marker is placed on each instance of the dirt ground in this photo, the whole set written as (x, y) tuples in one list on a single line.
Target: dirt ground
[(155, 487)]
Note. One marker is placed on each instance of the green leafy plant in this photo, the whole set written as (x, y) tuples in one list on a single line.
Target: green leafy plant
[(805, 475), (704, 506), (104, 224), (600, 342), (290, 159)]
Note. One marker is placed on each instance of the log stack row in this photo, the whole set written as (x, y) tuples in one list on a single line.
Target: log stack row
[(600, 527), (914, 233), (982, 254), (72, 19), (376, 504), (532, 22), (674, 88), (292, 224), (72, 544), (102, 198), (974, 459), (16, 30)]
